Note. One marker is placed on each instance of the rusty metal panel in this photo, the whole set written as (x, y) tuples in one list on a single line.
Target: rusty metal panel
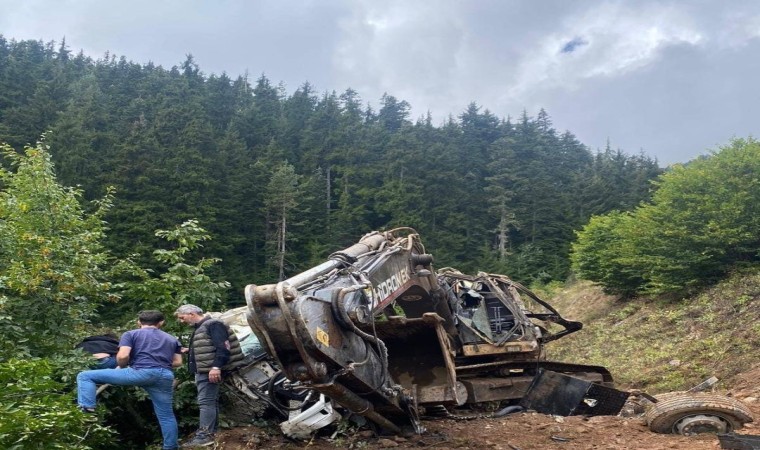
[(495, 388), (490, 349), (442, 394)]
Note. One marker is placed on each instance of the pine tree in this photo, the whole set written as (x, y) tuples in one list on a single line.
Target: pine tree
[(281, 203)]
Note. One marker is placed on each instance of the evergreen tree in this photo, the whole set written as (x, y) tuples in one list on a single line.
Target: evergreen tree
[(281, 203), (178, 144)]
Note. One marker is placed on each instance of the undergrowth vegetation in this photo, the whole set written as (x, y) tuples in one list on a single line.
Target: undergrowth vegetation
[(37, 405), (661, 344)]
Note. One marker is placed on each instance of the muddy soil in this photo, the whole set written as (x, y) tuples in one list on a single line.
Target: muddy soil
[(522, 431)]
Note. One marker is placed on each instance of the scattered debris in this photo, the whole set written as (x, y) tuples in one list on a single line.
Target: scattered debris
[(732, 441), (705, 385), (564, 395), (303, 423)]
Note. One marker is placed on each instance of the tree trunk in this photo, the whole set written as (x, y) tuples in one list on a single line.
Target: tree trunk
[(328, 199), (502, 237), (281, 246)]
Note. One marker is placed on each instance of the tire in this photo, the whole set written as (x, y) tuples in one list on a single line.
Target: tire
[(692, 413), (283, 395)]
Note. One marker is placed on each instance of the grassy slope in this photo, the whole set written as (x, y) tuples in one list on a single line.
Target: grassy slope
[(663, 345)]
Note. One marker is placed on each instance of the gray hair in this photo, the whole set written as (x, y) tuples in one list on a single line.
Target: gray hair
[(188, 309)]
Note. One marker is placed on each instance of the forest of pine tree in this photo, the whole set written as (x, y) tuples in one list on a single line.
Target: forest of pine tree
[(283, 179)]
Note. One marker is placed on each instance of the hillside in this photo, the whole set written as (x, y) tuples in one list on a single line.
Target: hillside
[(660, 344), (282, 179)]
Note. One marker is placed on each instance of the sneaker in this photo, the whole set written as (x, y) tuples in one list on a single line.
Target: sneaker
[(87, 410), (199, 441)]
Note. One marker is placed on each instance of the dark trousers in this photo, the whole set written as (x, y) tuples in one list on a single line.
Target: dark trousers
[(208, 403)]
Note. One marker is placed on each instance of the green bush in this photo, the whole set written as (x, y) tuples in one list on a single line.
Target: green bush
[(598, 254), (39, 412), (703, 220)]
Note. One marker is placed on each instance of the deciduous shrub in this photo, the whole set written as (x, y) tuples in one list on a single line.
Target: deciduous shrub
[(703, 220)]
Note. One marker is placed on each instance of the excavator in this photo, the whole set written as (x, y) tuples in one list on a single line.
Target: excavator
[(380, 332)]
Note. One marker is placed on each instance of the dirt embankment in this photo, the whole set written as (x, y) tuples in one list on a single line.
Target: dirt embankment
[(522, 431)]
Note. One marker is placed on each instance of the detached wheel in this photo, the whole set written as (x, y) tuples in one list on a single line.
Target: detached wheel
[(689, 414)]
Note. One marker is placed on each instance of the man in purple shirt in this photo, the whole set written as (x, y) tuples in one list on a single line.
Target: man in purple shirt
[(146, 357)]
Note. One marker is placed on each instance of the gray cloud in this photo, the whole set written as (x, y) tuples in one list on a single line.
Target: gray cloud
[(673, 79)]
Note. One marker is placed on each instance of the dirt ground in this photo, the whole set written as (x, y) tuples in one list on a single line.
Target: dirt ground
[(522, 431)]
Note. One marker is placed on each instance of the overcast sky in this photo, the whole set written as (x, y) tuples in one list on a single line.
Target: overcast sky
[(673, 79)]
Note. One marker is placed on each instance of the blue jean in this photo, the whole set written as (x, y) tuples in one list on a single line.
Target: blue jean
[(108, 362), (208, 404), (157, 382)]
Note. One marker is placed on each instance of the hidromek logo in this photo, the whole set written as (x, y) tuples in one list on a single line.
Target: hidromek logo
[(385, 288)]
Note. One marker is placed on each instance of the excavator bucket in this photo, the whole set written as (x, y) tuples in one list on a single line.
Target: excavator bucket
[(420, 358)]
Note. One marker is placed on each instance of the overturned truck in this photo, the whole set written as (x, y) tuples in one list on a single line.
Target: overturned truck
[(376, 329), (381, 333)]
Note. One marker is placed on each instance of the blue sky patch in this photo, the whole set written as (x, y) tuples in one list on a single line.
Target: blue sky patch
[(570, 46)]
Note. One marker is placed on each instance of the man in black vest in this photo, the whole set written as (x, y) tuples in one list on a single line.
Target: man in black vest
[(214, 351)]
